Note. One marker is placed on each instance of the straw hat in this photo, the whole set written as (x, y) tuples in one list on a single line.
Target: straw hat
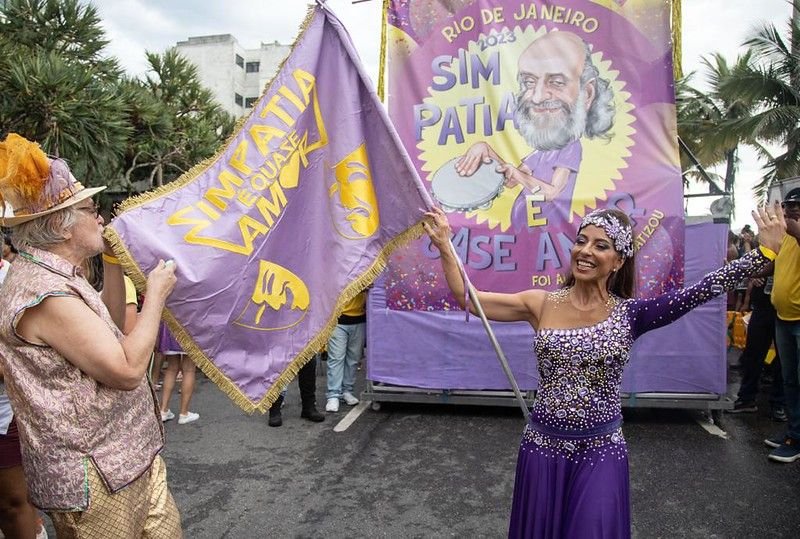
[(34, 184)]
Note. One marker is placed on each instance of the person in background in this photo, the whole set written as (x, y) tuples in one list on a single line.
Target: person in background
[(131, 305), (747, 240), (9, 251), (345, 348), (307, 382), (760, 335), (177, 361), (786, 300), (18, 517), (89, 432)]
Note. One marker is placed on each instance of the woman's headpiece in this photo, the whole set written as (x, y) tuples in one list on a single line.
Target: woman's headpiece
[(34, 184), (619, 232)]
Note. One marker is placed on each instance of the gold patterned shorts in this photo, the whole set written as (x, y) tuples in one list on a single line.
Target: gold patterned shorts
[(144, 508)]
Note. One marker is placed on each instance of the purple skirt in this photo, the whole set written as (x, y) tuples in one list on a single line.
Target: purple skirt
[(571, 488), (167, 344)]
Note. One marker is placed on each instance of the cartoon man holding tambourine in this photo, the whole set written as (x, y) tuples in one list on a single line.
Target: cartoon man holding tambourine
[(561, 99)]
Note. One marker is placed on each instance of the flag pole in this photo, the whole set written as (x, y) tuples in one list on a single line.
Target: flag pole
[(425, 196), (501, 357)]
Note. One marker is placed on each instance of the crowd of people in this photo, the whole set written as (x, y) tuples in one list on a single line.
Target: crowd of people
[(82, 428), (758, 359)]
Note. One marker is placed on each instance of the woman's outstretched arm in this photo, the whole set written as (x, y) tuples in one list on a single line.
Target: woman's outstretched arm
[(522, 306)]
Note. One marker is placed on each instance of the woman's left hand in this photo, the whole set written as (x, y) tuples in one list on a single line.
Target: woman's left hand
[(771, 225)]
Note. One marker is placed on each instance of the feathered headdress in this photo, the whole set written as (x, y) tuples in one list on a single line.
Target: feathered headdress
[(34, 184)]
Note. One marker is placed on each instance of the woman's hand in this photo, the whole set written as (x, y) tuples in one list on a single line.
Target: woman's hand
[(771, 225), (438, 228)]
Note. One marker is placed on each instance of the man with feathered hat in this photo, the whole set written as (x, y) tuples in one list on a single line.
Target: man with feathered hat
[(86, 413)]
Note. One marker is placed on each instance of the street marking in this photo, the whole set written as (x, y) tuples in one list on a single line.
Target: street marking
[(351, 416), (711, 428)]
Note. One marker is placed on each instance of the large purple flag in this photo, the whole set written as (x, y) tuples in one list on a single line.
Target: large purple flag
[(289, 221)]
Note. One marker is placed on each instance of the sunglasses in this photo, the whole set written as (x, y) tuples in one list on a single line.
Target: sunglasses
[(790, 204)]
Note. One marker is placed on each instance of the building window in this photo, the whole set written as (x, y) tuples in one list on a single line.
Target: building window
[(238, 99), (252, 67), (239, 61), (249, 102)]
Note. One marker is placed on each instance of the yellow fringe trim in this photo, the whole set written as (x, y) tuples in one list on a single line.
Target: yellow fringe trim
[(677, 44), (382, 64), (315, 345)]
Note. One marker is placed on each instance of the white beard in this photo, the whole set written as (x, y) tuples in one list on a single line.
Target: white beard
[(551, 131)]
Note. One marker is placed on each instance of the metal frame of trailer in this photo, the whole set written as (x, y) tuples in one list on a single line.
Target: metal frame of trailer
[(378, 393)]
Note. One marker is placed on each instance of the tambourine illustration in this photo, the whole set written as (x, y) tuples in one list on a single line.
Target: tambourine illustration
[(466, 193)]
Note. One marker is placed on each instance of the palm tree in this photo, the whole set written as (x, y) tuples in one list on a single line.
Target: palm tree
[(769, 86), (172, 104), (701, 116), (56, 88)]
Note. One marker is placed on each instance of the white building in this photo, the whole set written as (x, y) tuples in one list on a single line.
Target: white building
[(235, 75)]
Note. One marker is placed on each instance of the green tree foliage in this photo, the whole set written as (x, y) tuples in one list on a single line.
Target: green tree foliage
[(56, 88), (702, 117), (59, 88), (755, 102), (177, 122), (769, 85)]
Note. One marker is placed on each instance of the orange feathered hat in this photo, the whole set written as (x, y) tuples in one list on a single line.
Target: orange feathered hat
[(34, 184)]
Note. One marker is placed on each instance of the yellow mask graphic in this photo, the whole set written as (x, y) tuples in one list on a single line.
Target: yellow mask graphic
[(356, 194), (271, 290)]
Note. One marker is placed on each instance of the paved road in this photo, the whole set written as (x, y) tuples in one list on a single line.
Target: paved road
[(444, 471)]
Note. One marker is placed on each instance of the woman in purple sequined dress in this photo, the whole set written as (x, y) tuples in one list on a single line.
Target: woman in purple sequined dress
[(572, 470)]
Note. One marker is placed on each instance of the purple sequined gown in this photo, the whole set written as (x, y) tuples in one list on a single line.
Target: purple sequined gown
[(572, 470)]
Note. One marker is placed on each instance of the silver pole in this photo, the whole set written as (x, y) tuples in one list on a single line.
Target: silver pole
[(473, 295)]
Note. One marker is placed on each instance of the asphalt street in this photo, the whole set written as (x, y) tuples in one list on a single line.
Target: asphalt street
[(425, 471), (447, 471)]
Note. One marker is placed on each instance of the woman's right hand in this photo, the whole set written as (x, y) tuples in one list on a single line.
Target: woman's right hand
[(161, 281), (438, 228)]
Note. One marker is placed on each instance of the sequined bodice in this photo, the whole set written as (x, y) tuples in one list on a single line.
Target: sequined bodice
[(577, 410), (580, 371)]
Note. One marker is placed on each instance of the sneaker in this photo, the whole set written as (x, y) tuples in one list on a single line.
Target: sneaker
[(166, 416), (743, 407), (789, 451), (188, 418), (775, 441), (42, 530), (778, 414), (332, 405), (349, 398)]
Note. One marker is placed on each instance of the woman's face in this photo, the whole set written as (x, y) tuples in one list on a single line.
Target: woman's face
[(593, 255)]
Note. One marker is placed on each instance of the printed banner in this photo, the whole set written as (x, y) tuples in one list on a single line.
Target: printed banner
[(521, 117), (295, 216)]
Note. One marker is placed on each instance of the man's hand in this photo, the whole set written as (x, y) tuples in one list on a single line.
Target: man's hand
[(161, 281), (514, 176), (478, 154)]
